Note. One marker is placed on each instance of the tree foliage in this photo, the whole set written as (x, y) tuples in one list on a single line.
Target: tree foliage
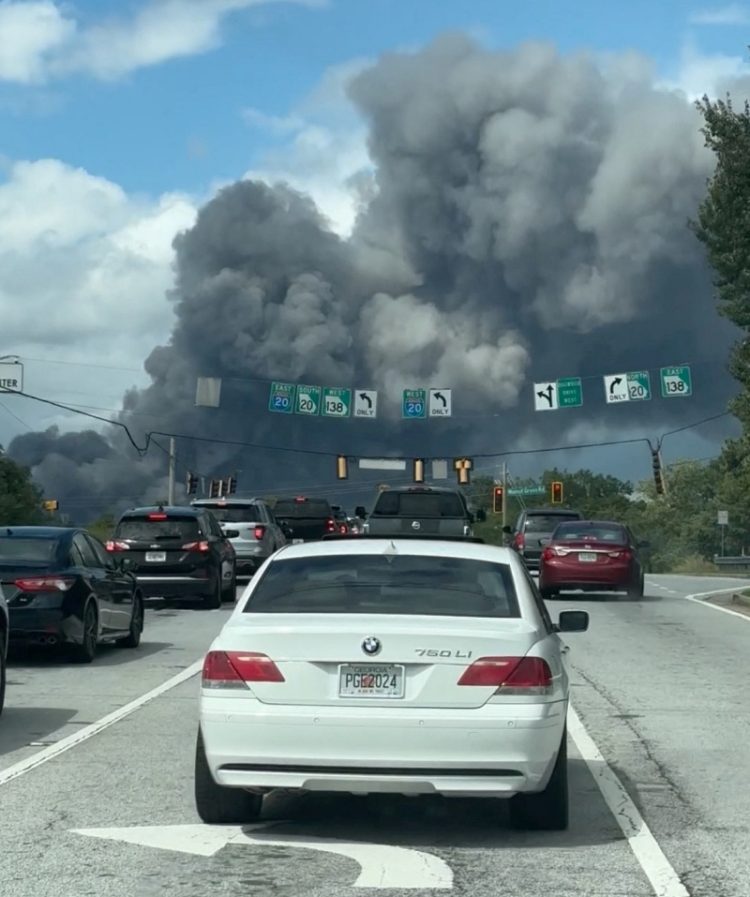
[(20, 500)]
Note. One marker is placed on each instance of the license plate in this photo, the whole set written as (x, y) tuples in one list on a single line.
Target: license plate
[(155, 557), (587, 557), (371, 681)]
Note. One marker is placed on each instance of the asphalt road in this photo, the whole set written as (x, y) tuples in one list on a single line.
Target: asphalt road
[(661, 756)]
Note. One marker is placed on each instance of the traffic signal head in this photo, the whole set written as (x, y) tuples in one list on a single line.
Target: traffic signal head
[(230, 485), (497, 500), (51, 504), (418, 474), (557, 493), (462, 467), (658, 475), (192, 483), (342, 467), (214, 490)]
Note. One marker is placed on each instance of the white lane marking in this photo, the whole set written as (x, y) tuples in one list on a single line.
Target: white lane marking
[(661, 874), (65, 744), (381, 866), (699, 598)]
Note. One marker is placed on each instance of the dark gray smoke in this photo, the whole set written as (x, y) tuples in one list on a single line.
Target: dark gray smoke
[(528, 222)]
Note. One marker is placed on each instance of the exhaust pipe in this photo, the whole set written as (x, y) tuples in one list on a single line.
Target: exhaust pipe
[(50, 640)]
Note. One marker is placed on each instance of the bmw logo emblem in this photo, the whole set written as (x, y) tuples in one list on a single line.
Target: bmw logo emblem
[(371, 645)]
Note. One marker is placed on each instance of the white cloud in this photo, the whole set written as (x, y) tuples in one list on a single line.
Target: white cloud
[(701, 73), (40, 41), (732, 14), (84, 269)]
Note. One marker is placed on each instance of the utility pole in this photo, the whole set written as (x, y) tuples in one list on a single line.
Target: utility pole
[(170, 493)]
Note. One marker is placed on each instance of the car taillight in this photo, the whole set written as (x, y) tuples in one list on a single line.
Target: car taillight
[(547, 554), (331, 525), (196, 546), (343, 529), (233, 669), (115, 545), (552, 551), (260, 531), (519, 541), (624, 553), (45, 583), (510, 675), (158, 516)]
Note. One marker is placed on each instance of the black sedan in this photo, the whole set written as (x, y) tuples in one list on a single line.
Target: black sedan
[(63, 588)]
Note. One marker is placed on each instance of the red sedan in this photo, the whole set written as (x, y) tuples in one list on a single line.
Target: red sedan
[(592, 555)]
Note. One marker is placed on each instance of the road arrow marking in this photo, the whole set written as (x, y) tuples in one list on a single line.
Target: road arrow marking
[(381, 866)]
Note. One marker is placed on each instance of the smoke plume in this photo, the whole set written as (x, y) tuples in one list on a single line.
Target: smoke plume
[(527, 221)]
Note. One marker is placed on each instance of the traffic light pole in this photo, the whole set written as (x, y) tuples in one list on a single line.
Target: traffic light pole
[(505, 492), (170, 492)]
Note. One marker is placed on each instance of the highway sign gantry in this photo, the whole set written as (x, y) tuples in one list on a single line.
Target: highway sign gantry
[(676, 381), (414, 404), (281, 397), (337, 402), (308, 400), (441, 403)]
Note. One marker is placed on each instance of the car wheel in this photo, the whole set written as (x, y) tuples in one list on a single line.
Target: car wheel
[(230, 593), (133, 638), (85, 652), (213, 599), (547, 810), (3, 673), (635, 590), (217, 805)]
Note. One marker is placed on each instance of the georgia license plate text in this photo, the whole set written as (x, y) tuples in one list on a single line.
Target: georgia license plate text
[(376, 682)]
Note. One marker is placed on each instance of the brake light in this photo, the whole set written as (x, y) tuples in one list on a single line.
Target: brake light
[(510, 675), (45, 584), (343, 529), (260, 531), (519, 541), (331, 525), (300, 499), (552, 551), (115, 545), (203, 547), (233, 669), (625, 553), (157, 516)]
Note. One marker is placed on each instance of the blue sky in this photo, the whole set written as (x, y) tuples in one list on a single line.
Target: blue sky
[(118, 118)]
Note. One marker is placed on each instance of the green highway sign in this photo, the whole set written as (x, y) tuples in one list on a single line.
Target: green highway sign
[(337, 402), (414, 404), (281, 397), (676, 381), (308, 400), (527, 490), (639, 386), (569, 392)]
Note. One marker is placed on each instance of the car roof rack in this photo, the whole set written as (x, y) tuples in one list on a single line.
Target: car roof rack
[(332, 537)]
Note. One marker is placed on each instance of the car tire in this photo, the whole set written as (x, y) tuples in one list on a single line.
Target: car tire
[(133, 638), (217, 805), (213, 599), (86, 651), (229, 594), (636, 590), (547, 810)]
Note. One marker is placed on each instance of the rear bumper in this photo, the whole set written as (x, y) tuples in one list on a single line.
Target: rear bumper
[(567, 576), (174, 586), (43, 626), (497, 750)]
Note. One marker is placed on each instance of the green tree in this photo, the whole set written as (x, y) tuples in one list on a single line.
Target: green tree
[(20, 500), (102, 527)]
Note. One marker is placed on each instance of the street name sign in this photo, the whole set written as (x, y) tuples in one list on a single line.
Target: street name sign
[(570, 392), (11, 376)]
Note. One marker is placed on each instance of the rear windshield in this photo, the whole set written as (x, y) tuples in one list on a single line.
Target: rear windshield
[(384, 584), (310, 508), (15, 550), (418, 504), (547, 523), (591, 531), (141, 529), (235, 513)]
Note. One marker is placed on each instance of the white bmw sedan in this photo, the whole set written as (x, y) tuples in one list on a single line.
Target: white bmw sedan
[(406, 666)]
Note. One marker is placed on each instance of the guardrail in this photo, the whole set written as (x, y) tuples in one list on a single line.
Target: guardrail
[(741, 561)]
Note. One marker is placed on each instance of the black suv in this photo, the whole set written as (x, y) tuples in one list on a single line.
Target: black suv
[(308, 519), (420, 511), (535, 525), (178, 553)]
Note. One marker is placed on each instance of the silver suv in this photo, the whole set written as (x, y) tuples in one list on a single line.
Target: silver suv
[(259, 533), (534, 527)]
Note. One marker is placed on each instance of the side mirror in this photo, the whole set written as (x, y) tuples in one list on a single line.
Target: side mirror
[(573, 621), (508, 530), (360, 512), (481, 515), (286, 529), (231, 533)]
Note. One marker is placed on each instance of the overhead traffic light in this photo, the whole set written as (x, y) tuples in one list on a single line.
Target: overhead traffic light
[(418, 471), (215, 488), (51, 504), (191, 483), (230, 485), (462, 466), (497, 500), (557, 493), (658, 473), (342, 467)]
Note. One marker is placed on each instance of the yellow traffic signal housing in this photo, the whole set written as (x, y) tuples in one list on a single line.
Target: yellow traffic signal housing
[(342, 467), (51, 504), (557, 493), (418, 473), (497, 500)]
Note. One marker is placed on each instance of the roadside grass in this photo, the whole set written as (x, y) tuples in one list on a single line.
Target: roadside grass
[(694, 565)]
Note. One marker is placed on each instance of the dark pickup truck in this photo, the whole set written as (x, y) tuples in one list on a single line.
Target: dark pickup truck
[(309, 519), (420, 511)]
